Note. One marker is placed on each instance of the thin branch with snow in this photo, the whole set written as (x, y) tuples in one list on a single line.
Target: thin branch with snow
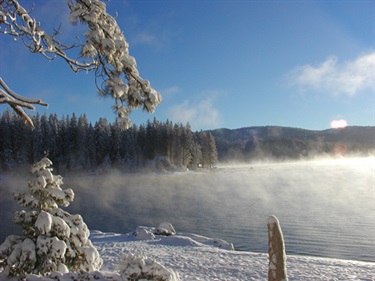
[(107, 44), (18, 102), (105, 51), (17, 22)]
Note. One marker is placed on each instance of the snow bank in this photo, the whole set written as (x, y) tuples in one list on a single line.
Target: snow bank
[(196, 257)]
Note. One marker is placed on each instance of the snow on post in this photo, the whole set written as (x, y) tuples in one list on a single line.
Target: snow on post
[(53, 240), (276, 251)]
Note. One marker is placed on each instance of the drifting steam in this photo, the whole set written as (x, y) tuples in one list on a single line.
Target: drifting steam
[(326, 206)]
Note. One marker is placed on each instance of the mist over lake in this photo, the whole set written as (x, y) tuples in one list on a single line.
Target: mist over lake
[(326, 207)]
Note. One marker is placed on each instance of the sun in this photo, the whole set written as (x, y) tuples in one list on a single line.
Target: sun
[(339, 124)]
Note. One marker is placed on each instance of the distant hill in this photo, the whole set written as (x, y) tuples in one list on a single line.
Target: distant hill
[(285, 142)]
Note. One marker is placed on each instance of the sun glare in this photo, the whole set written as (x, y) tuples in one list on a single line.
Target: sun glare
[(338, 124)]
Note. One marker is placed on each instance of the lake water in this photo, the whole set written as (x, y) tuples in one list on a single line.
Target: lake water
[(326, 208)]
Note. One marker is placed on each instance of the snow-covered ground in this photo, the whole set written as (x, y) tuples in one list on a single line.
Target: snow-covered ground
[(199, 258), (196, 257)]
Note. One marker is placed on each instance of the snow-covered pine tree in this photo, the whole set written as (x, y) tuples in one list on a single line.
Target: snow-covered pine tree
[(53, 240)]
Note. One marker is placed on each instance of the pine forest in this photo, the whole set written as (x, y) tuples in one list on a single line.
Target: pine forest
[(76, 145)]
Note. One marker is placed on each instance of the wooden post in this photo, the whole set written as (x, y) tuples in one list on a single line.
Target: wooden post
[(276, 251)]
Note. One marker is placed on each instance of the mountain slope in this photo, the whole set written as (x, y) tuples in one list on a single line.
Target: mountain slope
[(286, 142)]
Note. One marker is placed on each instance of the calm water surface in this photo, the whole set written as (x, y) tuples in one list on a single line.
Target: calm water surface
[(326, 208)]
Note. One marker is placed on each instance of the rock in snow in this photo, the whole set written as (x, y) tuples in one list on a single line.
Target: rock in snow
[(165, 228)]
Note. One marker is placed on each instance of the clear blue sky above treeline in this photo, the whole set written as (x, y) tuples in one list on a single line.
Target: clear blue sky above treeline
[(220, 64)]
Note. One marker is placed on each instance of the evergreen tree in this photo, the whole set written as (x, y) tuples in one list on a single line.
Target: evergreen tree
[(130, 146), (157, 138), (209, 152), (103, 143), (141, 142), (165, 140), (44, 137), (116, 149), (6, 144), (49, 135), (169, 137), (53, 240), (72, 143), (62, 144), (212, 152), (176, 146), (20, 135), (54, 135), (196, 155), (187, 145), (82, 156), (38, 150), (91, 162), (150, 141)]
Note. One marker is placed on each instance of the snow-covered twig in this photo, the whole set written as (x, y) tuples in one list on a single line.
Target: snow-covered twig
[(18, 23), (107, 44), (18, 102), (105, 51)]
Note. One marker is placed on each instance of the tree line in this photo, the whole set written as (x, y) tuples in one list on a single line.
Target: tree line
[(75, 144)]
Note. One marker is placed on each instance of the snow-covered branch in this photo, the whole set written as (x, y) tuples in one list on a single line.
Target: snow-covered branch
[(18, 102), (106, 43), (105, 50), (16, 21)]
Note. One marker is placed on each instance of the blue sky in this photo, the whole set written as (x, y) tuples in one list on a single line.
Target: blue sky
[(220, 64)]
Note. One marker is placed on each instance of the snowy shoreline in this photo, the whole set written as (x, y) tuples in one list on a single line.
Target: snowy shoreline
[(202, 260), (199, 258)]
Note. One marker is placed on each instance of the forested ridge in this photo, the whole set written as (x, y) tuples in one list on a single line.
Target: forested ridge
[(284, 143), (75, 144)]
